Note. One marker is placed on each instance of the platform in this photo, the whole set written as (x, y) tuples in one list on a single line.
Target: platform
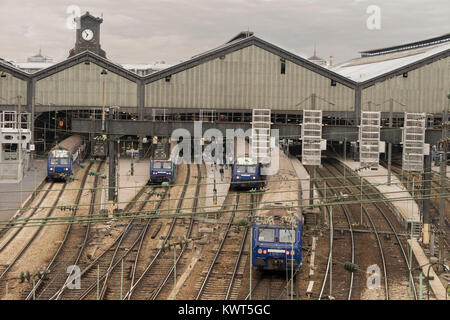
[(14, 200), (408, 209), (422, 260), (304, 176), (222, 187), (129, 185)]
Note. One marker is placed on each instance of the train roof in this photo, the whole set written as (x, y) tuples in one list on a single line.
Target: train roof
[(70, 144), (278, 214), (245, 161)]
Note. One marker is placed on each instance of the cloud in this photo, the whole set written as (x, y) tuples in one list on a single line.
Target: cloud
[(136, 31)]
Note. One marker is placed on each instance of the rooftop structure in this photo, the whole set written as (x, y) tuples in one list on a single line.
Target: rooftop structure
[(374, 63)]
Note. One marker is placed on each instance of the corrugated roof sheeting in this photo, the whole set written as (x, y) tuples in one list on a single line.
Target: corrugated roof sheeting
[(245, 79), (423, 90), (82, 85), (10, 88), (366, 68)]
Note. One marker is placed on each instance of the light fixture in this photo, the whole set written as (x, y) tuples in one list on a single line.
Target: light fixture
[(405, 75), (3, 75), (104, 72)]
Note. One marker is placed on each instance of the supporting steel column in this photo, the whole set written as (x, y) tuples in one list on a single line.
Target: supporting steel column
[(426, 201), (391, 109), (443, 186), (112, 169)]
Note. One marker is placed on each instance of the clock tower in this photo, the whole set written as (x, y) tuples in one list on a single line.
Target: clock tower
[(88, 36)]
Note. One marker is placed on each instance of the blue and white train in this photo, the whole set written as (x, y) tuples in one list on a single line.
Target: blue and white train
[(163, 167), (246, 174), (63, 159), (277, 227)]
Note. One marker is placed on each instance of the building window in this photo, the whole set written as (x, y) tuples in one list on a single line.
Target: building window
[(333, 83), (283, 66)]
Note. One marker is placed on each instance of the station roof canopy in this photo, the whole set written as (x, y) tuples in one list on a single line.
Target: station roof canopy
[(379, 62), (243, 40)]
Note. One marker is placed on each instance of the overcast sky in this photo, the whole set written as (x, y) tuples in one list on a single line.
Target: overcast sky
[(145, 31)]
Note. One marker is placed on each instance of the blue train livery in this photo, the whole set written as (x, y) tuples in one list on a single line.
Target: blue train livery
[(163, 168), (162, 171), (277, 238), (246, 174), (64, 157)]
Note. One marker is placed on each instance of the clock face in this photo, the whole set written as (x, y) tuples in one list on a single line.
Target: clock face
[(87, 34)]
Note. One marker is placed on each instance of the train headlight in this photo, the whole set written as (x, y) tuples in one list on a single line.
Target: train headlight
[(264, 251), (260, 251), (66, 169), (51, 168), (253, 177), (238, 177), (287, 252)]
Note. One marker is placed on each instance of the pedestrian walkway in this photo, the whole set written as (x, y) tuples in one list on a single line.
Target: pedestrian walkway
[(408, 209), (14, 194), (129, 185), (222, 187)]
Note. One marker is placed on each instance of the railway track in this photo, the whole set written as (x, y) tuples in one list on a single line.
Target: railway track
[(342, 281), (4, 272), (73, 244), (216, 284), (95, 272), (8, 238), (150, 282), (163, 287), (376, 213), (273, 286)]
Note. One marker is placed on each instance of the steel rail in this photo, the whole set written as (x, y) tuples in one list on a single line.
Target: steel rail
[(390, 225), (189, 233), (117, 241), (35, 234), (69, 228), (17, 230), (211, 267), (347, 217), (376, 235), (130, 292)]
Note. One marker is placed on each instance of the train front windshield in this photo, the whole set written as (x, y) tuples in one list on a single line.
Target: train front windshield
[(162, 165), (287, 236), (266, 235), (240, 169), (59, 157), (251, 169)]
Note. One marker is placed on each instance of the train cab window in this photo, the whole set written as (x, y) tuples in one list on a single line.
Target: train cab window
[(287, 236), (157, 165), (53, 161), (167, 165), (251, 169), (266, 235), (64, 161), (240, 169)]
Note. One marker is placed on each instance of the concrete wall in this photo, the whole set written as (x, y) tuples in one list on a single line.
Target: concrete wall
[(246, 79), (424, 90), (82, 85)]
